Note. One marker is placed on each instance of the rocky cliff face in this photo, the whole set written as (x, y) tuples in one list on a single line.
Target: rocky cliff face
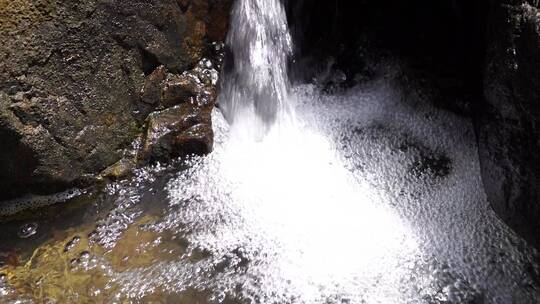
[(508, 121), (96, 87)]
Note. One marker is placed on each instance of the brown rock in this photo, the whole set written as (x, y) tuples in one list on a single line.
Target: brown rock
[(219, 14), (153, 83), (120, 169), (72, 78), (178, 89), (197, 140), (168, 130)]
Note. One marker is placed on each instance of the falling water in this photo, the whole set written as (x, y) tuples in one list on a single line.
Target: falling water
[(368, 196), (256, 87)]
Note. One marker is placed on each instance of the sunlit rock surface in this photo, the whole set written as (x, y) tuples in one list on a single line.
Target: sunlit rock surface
[(71, 77), (178, 131)]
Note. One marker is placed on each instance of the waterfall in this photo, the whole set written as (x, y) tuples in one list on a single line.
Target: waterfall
[(255, 84)]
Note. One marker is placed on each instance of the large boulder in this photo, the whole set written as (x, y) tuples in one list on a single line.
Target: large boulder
[(73, 76), (508, 123)]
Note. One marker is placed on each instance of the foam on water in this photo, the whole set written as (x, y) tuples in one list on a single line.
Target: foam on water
[(344, 205), (364, 198), (386, 141), (14, 206), (287, 202)]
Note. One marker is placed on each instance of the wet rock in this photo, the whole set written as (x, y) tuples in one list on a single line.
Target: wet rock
[(78, 81), (178, 131), (178, 89), (151, 90), (184, 126), (120, 169), (164, 89), (10, 258), (197, 140), (508, 122)]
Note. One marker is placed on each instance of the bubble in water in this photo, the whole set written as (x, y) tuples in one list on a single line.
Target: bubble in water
[(71, 244), (27, 230)]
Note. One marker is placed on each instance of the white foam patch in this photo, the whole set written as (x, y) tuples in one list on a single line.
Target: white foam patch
[(342, 206), (362, 198)]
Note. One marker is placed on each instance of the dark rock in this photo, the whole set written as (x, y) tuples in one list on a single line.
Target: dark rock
[(165, 89), (151, 91), (184, 127), (508, 123), (197, 140), (72, 244), (178, 131), (79, 79), (178, 89)]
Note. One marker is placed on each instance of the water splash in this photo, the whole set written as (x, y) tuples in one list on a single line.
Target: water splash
[(256, 85), (347, 203)]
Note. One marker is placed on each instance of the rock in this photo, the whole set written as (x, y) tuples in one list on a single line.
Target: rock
[(79, 79), (184, 127), (151, 91), (196, 140), (178, 131), (168, 89), (508, 123), (120, 169), (178, 89)]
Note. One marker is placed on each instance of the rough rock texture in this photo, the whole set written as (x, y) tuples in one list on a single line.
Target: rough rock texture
[(507, 125), (184, 126), (79, 79), (167, 136)]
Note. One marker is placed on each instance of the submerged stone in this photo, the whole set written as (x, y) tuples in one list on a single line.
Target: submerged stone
[(71, 244)]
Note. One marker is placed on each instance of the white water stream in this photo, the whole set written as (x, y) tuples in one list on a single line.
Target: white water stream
[(353, 198), (359, 197)]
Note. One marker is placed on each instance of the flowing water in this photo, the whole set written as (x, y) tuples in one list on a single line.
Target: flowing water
[(257, 86), (362, 196)]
